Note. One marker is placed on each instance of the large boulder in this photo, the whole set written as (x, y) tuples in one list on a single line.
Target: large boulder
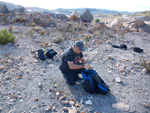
[(116, 24), (138, 23), (145, 28), (3, 8), (146, 18), (86, 16), (74, 15)]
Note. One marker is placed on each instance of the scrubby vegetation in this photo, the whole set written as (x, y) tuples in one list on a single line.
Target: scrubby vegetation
[(146, 64), (6, 37), (97, 20)]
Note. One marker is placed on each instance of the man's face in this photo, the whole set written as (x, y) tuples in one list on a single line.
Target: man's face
[(77, 50)]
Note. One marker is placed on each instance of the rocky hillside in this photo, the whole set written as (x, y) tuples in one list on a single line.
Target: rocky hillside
[(30, 85), (11, 6)]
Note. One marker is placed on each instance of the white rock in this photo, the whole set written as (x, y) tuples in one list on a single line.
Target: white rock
[(51, 65), (57, 94), (144, 70), (21, 100), (62, 97), (121, 106), (118, 79), (89, 102), (1, 67), (55, 85)]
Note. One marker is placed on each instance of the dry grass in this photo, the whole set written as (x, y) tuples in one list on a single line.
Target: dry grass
[(146, 64)]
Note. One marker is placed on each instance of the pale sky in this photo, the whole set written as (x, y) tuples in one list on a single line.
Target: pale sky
[(119, 5)]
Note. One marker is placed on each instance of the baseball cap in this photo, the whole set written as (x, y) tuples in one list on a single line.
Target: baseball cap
[(80, 45)]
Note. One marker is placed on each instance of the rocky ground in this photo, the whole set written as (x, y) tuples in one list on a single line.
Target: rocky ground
[(28, 85)]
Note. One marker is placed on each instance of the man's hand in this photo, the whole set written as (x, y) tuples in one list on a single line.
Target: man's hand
[(87, 66)]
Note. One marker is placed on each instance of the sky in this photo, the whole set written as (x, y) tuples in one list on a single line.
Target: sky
[(118, 5)]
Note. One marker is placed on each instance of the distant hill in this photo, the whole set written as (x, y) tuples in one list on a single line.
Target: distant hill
[(79, 10), (11, 6), (143, 13), (94, 11)]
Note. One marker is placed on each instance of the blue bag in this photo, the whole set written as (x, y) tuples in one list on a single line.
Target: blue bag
[(93, 83)]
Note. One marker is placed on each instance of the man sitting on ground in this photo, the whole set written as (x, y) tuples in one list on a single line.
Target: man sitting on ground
[(73, 62)]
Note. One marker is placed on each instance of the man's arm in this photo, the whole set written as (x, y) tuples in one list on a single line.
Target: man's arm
[(74, 66)]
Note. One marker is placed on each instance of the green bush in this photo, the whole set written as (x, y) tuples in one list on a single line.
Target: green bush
[(6, 37), (97, 20)]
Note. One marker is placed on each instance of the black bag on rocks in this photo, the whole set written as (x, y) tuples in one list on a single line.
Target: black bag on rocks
[(122, 46), (137, 49), (93, 83), (40, 54), (50, 53)]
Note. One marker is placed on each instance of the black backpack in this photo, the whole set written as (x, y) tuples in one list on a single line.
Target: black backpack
[(137, 49), (93, 83), (50, 53), (40, 54)]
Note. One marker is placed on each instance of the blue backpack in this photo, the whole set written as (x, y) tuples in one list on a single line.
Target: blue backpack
[(93, 83)]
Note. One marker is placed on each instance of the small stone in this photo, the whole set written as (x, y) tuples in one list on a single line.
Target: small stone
[(144, 70), (89, 102), (118, 79), (40, 85), (57, 93), (66, 109), (36, 99), (55, 85), (1, 66), (48, 108), (51, 90), (53, 108), (65, 102), (131, 71), (62, 98), (96, 112), (21, 100), (110, 57), (146, 105), (118, 64), (71, 103), (76, 105)]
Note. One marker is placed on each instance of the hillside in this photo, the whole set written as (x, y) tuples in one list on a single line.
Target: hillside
[(11, 6), (63, 11)]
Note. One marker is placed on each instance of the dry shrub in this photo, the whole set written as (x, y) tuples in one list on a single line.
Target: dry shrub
[(10, 28), (43, 32), (58, 39), (22, 20), (32, 24), (146, 64)]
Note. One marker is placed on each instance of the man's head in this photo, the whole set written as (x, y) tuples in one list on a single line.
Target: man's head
[(79, 46)]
